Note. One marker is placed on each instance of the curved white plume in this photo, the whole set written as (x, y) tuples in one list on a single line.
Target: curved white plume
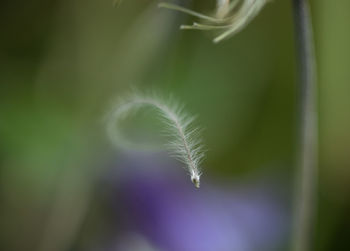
[(185, 144)]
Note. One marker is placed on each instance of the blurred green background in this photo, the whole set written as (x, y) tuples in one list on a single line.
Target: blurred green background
[(63, 63)]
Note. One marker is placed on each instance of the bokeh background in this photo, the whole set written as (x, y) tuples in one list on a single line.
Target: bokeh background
[(64, 187)]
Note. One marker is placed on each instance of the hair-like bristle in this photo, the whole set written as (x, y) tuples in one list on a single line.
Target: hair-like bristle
[(231, 16), (185, 144)]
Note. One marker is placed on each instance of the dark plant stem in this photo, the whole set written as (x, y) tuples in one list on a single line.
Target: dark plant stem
[(306, 179)]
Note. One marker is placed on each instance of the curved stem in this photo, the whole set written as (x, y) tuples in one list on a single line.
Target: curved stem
[(306, 180)]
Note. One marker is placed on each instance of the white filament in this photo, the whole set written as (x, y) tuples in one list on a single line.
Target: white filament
[(230, 15), (185, 145)]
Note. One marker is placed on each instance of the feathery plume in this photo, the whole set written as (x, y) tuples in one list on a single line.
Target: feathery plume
[(184, 144), (231, 16)]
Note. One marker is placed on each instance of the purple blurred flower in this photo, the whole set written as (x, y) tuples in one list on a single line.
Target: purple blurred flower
[(167, 211)]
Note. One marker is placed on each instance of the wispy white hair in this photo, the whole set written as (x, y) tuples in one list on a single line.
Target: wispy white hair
[(231, 16), (184, 144)]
